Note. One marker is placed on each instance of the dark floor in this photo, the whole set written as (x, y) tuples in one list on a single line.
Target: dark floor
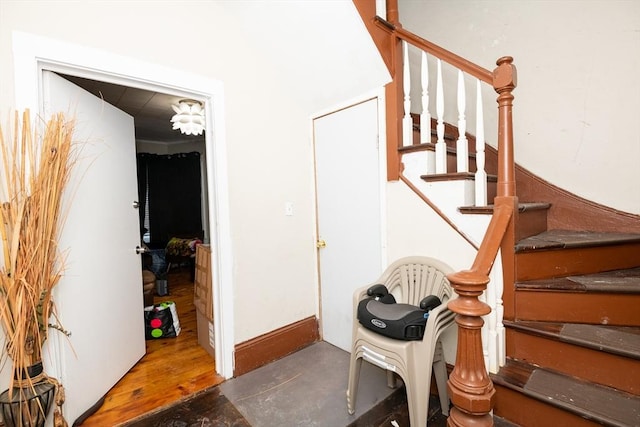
[(307, 388)]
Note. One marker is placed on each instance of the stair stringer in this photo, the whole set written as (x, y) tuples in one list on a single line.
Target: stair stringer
[(448, 196)]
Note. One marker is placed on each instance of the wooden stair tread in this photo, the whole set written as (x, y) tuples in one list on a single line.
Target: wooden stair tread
[(514, 374), (522, 207), (428, 146), (619, 340), (501, 422), (626, 281), (455, 176), (602, 404), (563, 239)]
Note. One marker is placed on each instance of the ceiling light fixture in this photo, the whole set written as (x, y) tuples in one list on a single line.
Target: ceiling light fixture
[(189, 117)]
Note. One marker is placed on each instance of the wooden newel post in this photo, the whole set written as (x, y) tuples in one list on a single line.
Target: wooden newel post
[(504, 82), (469, 385)]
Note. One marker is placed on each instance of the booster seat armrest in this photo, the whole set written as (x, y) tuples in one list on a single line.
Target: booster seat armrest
[(381, 293), (378, 291), (430, 302)]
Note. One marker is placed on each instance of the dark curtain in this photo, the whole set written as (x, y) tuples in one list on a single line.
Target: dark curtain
[(174, 190), (142, 191)]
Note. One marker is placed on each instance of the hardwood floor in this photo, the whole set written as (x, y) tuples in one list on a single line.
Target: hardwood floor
[(172, 369)]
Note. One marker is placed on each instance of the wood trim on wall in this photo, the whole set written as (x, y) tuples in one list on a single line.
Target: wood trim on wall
[(390, 50), (568, 211), (259, 351), (380, 35)]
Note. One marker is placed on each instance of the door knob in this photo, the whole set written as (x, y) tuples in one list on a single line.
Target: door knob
[(140, 250), (321, 244), (136, 204)]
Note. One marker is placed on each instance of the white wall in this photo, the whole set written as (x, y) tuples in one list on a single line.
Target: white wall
[(415, 229), (577, 102), (280, 62)]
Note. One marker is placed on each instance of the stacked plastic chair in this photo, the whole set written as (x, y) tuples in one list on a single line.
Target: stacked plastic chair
[(409, 279)]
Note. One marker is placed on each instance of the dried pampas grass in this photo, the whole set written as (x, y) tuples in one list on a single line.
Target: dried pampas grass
[(35, 171)]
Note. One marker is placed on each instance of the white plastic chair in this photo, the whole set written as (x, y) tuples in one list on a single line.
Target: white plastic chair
[(409, 279)]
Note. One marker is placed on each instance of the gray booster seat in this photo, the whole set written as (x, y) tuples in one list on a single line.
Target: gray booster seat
[(381, 313)]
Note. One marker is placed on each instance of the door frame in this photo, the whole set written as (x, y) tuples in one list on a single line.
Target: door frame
[(33, 54)]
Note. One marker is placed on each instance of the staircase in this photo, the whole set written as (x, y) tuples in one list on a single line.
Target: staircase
[(573, 341), (572, 319), (571, 268)]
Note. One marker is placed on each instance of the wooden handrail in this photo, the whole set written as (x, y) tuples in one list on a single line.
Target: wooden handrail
[(489, 247), (390, 46), (445, 55)]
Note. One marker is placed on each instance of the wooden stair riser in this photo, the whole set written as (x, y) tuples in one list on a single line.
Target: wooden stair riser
[(465, 178), (450, 139), (452, 163), (452, 157), (532, 217), (603, 368), (531, 223), (545, 264), (592, 308), (528, 412)]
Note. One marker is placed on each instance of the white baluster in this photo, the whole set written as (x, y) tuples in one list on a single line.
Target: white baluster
[(425, 116), (491, 347), (481, 174), (485, 332), (441, 147), (500, 331), (462, 145), (381, 8), (407, 123)]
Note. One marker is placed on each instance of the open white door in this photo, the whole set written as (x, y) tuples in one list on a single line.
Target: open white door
[(99, 298), (349, 213)]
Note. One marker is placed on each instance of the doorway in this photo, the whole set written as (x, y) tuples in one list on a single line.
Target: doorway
[(171, 182), (38, 54)]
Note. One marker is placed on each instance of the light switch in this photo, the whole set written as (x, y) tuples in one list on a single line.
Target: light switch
[(288, 209)]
